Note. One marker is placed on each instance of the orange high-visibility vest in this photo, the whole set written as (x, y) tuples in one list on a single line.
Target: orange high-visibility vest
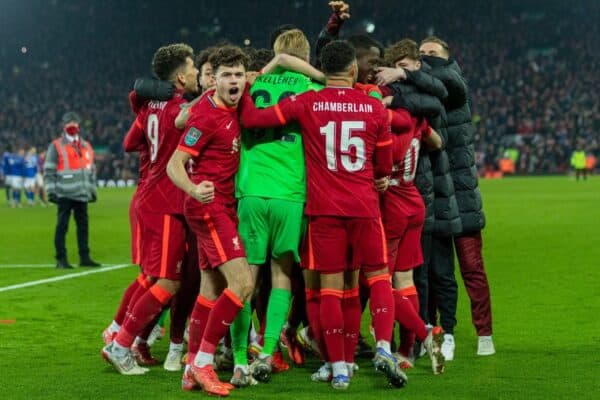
[(72, 156)]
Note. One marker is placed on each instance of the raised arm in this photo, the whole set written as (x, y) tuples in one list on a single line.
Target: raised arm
[(153, 89), (341, 12), (427, 84), (270, 117), (292, 63), (455, 84)]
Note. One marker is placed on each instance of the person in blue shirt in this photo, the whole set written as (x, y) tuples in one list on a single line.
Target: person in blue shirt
[(30, 171), (6, 169), (18, 165)]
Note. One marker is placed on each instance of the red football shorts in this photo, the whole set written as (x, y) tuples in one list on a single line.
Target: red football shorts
[(336, 244), (218, 241), (163, 247), (136, 234), (405, 252)]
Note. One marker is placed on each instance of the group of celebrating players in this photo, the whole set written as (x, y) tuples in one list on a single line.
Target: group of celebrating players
[(291, 187)]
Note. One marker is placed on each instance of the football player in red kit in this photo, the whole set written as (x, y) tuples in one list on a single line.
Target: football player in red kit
[(403, 214), (160, 204), (347, 146), (212, 140)]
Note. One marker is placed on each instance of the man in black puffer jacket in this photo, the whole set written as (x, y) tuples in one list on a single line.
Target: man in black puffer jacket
[(464, 175)]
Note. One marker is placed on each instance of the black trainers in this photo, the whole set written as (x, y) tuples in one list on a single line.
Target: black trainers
[(63, 264), (89, 263)]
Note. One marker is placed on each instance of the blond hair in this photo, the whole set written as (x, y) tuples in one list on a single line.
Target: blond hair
[(294, 43)]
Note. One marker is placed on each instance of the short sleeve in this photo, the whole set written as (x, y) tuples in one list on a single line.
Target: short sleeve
[(196, 137)]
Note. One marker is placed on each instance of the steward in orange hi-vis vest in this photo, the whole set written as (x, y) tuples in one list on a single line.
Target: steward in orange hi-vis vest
[(70, 181)]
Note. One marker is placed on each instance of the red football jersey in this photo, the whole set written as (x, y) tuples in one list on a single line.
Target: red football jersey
[(212, 137), (347, 144), (155, 128), (402, 199)]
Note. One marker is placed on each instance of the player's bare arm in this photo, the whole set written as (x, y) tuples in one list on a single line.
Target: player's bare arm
[(204, 192), (433, 139), (184, 113), (292, 63)]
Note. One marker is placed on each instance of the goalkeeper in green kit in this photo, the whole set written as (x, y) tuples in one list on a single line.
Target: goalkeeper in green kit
[(271, 191)]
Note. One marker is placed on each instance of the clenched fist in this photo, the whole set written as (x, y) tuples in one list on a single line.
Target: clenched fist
[(204, 192)]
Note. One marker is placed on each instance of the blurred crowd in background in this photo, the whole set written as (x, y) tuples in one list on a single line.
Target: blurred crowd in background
[(533, 72)]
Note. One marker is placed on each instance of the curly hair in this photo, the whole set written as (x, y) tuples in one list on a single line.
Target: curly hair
[(168, 59), (337, 56), (228, 56)]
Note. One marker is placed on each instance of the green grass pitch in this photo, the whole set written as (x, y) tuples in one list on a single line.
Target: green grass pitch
[(542, 253)]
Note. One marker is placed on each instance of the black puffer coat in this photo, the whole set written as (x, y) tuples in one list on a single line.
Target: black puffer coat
[(460, 148), (421, 95)]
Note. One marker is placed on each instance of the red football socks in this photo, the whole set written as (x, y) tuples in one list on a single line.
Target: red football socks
[(313, 312), (144, 311), (406, 314), (131, 289), (352, 310), (382, 307), (226, 308), (198, 321), (332, 323)]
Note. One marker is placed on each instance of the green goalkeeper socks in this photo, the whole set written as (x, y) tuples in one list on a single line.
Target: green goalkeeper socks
[(163, 318), (277, 312), (239, 335)]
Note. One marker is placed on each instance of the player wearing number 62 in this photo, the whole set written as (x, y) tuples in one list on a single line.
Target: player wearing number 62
[(347, 145)]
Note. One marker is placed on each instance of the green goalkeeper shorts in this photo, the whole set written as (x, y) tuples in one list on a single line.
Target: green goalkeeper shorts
[(270, 224)]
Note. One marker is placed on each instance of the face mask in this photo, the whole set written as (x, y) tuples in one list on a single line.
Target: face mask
[(72, 129), (434, 61)]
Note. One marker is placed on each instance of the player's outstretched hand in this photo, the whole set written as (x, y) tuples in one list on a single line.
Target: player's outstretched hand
[(341, 8), (387, 101), (204, 192), (386, 75), (382, 184)]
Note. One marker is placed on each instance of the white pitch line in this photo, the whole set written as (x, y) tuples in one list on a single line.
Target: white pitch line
[(62, 277), (27, 265)]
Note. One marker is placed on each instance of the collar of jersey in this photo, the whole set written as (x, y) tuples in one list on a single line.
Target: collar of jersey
[(220, 106)]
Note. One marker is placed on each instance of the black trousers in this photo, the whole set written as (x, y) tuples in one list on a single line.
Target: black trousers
[(421, 277), (79, 208), (443, 290)]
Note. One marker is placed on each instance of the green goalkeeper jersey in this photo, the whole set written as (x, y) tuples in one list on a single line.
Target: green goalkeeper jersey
[(272, 160)]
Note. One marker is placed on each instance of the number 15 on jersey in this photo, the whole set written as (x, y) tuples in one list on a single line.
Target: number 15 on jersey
[(344, 146)]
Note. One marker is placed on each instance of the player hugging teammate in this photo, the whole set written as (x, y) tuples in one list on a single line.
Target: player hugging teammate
[(292, 191)]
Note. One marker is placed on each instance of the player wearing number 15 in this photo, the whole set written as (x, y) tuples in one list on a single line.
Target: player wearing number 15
[(160, 203), (347, 145)]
